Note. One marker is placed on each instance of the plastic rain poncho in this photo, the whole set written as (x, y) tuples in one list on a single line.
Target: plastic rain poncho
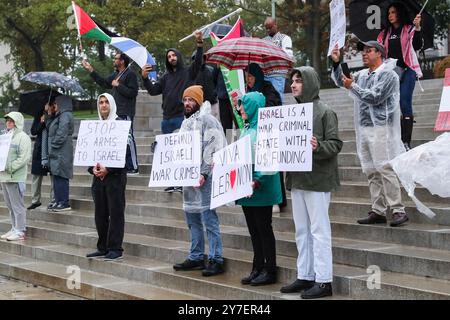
[(427, 165), (376, 114), (212, 138)]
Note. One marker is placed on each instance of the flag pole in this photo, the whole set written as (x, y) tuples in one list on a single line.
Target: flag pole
[(214, 23), (421, 10), (83, 55)]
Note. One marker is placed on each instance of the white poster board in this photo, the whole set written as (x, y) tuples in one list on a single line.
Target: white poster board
[(232, 173), (338, 24), (176, 160), (5, 143), (103, 142), (284, 138)]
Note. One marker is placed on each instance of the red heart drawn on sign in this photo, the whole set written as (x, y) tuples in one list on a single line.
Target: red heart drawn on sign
[(232, 178)]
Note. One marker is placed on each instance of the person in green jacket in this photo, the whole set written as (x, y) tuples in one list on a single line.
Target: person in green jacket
[(311, 193), (258, 207), (13, 178)]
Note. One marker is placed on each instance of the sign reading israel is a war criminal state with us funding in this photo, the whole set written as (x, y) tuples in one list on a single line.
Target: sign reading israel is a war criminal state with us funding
[(103, 142), (232, 173), (5, 143), (176, 160), (284, 138)]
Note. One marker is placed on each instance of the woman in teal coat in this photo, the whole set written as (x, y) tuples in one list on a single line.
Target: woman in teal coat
[(258, 208)]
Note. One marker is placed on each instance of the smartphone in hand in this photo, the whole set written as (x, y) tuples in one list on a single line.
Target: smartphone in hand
[(345, 69)]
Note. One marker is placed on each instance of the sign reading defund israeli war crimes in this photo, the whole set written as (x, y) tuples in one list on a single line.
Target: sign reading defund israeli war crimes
[(5, 143), (103, 142), (176, 160), (232, 173), (284, 138)]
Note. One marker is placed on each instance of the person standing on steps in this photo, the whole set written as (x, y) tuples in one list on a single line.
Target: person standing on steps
[(197, 200), (14, 177), (171, 85), (401, 39), (311, 193), (125, 88), (108, 193), (375, 91)]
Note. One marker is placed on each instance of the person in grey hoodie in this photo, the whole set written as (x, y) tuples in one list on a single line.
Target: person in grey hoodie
[(311, 193)]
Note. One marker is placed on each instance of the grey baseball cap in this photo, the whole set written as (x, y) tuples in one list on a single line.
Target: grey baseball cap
[(372, 44)]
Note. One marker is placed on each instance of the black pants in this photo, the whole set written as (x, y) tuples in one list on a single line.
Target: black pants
[(283, 204), (109, 201), (226, 114), (259, 223)]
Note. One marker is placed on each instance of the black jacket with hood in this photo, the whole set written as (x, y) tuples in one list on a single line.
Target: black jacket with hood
[(173, 83)]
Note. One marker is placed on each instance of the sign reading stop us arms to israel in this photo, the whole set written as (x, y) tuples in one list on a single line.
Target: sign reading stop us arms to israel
[(232, 173), (103, 142), (5, 144), (177, 159), (284, 138)]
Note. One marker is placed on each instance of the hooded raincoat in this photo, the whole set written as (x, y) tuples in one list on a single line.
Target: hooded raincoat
[(268, 190), (376, 98), (272, 96), (60, 147), (212, 139), (324, 176), (19, 152)]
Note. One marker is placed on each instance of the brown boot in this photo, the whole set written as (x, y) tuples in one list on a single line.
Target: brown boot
[(373, 218), (398, 218)]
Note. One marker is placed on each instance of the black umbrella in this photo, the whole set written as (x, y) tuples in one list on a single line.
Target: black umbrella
[(367, 19), (33, 102)]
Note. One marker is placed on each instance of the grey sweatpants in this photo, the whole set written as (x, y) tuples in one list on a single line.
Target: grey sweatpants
[(13, 193)]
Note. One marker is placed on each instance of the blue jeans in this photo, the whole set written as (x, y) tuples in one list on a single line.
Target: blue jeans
[(195, 223), (170, 125), (278, 83), (61, 190), (406, 92)]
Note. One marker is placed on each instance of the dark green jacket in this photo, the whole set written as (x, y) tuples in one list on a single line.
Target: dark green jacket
[(324, 176), (268, 191)]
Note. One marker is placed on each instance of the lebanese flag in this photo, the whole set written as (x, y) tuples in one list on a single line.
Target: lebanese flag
[(443, 118), (87, 28)]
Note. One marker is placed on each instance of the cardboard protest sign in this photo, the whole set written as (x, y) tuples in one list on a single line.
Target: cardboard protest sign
[(103, 142), (176, 160), (5, 143), (232, 173), (284, 138), (338, 24), (443, 118)]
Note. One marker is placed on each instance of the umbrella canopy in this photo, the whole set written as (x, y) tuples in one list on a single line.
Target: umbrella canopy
[(364, 15), (137, 52), (240, 52), (54, 80), (33, 102)]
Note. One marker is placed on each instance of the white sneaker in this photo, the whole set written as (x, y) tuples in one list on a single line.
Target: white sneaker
[(16, 236), (6, 235), (276, 209)]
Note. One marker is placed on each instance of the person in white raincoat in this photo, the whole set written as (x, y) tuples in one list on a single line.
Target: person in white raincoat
[(376, 93), (196, 200)]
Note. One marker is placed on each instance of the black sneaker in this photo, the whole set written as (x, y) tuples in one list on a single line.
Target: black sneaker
[(51, 206), (178, 189), (297, 286), (213, 268), (97, 254), (189, 265), (34, 206), (61, 207), (264, 278), (373, 218), (113, 256), (248, 279), (398, 218), (169, 189), (133, 172), (319, 290)]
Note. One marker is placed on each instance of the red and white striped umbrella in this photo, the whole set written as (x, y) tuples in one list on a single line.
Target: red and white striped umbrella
[(238, 53)]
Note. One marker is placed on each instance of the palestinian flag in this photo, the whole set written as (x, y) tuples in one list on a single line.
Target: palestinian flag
[(87, 28)]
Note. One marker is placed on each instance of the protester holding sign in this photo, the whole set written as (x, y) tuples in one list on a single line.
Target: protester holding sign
[(401, 39), (108, 192), (197, 200), (310, 192), (15, 175), (375, 91), (258, 207), (60, 150)]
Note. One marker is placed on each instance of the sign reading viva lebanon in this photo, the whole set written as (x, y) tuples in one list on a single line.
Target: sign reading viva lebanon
[(232, 173), (103, 142), (176, 160), (5, 143), (284, 138)]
